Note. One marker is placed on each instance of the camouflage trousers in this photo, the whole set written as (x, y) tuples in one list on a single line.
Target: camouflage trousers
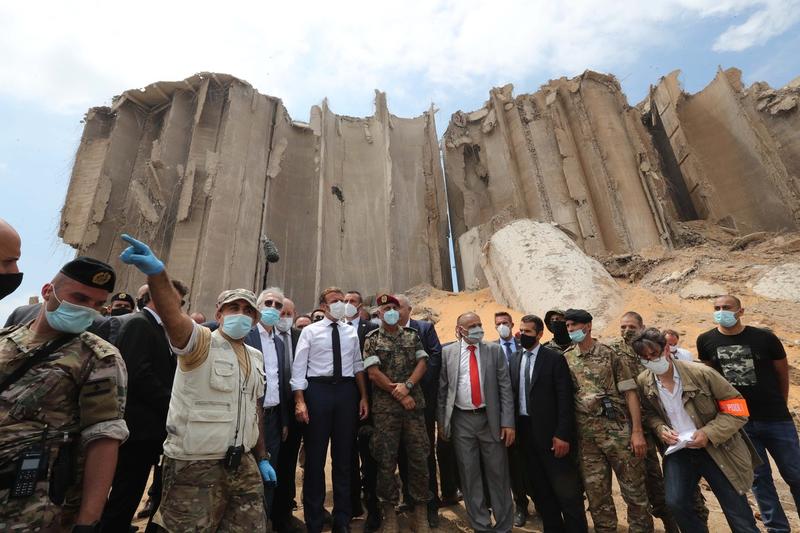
[(392, 431), (205, 496), (605, 446), (34, 513)]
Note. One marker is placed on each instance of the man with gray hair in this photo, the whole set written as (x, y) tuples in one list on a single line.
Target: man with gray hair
[(264, 337)]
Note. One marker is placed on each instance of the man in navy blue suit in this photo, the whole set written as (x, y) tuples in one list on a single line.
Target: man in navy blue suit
[(276, 415), (430, 388)]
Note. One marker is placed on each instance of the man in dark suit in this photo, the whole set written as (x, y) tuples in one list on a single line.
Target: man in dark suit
[(504, 325), (151, 369), (263, 337), (430, 389), (366, 478), (544, 406)]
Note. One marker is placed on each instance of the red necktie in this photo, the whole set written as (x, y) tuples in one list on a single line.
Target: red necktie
[(474, 377)]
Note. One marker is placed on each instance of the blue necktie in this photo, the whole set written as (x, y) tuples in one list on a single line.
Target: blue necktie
[(509, 353)]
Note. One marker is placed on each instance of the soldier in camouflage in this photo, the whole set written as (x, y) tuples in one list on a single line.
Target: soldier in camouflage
[(554, 321), (68, 405), (396, 361), (609, 424), (631, 325)]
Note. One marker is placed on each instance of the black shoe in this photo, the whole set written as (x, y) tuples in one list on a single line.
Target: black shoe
[(373, 523), (433, 516), (405, 507), (340, 529), (519, 518), (453, 499), (326, 517)]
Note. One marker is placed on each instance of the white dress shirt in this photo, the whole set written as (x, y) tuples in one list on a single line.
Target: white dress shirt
[(523, 406), (679, 419), (464, 386), (314, 354), (272, 394), (682, 355)]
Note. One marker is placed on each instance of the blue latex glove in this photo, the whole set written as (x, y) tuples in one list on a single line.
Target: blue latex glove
[(267, 472), (141, 256)]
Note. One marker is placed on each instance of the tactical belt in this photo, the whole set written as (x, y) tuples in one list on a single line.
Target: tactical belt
[(330, 380)]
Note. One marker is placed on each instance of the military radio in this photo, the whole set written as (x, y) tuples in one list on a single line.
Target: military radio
[(31, 467)]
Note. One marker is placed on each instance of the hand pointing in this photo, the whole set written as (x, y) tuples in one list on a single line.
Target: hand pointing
[(141, 256)]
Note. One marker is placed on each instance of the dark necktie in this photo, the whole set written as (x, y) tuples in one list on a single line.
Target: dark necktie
[(337, 351), (509, 353), (528, 381)]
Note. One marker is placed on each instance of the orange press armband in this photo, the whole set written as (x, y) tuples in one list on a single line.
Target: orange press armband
[(734, 406)]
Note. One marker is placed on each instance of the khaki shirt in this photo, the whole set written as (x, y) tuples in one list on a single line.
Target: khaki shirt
[(703, 388), (396, 355)]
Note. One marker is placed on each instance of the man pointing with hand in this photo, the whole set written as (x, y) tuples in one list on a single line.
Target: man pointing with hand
[(211, 481)]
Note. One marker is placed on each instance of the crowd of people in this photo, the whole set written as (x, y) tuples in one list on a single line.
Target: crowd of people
[(101, 392)]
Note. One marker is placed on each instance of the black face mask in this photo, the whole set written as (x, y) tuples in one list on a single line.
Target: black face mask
[(142, 302), (527, 341), (119, 311), (560, 333), (9, 283)]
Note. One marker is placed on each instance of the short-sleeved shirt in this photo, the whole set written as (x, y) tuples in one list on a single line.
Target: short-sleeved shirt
[(396, 355), (597, 373), (746, 361), (78, 389)]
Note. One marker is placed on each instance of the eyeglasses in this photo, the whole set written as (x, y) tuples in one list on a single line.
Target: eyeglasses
[(273, 303)]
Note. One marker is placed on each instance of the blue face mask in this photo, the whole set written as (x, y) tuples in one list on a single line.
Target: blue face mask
[(391, 317), (70, 318), (577, 336), (270, 316), (724, 318), (236, 326)]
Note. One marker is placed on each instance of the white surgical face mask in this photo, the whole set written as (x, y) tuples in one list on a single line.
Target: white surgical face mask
[(284, 324), (337, 310), (504, 331), (659, 366), (350, 310)]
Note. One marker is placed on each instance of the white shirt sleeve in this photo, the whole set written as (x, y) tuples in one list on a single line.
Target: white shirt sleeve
[(300, 364)]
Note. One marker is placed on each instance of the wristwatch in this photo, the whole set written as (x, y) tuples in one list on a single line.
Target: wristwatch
[(409, 384)]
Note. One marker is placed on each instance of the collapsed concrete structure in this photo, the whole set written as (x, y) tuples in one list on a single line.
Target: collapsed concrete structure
[(617, 178), (207, 169)]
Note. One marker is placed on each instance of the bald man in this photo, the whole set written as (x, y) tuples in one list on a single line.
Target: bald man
[(10, 250)]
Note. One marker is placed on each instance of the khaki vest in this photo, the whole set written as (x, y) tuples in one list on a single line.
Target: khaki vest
[(203, 409)]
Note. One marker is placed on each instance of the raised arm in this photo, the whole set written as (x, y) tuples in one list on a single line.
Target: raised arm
[(177, 324)]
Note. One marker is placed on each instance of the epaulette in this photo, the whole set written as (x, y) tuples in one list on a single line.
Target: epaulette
[(409, 328), (371, 333), (101, 348)]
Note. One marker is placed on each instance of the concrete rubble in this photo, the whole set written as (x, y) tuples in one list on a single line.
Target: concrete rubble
[(534, 266), (206, 169)]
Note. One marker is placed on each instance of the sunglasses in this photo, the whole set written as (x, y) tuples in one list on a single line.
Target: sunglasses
[(317, 318), (273, 303)]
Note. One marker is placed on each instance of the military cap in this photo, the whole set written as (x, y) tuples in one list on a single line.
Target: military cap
[(123, 297), (385, 299), (580, 316), (231, 295), (548, 315), (90, 272)]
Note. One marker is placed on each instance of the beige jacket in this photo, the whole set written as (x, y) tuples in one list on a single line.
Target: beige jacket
[(703, 388)]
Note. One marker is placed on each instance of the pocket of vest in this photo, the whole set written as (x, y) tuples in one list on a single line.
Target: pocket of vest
[(208, 431), (222, 376)]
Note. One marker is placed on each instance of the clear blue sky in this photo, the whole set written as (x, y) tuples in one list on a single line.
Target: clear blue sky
[(61, 58)]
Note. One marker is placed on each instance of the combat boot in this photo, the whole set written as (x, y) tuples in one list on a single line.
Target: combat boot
[(421, 519), (389, 519), (670, 526)]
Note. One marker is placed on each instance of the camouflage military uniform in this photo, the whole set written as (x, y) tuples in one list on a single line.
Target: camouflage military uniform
[(654, 478), (200, 492), (604, 443), (78, 392), (397, 354), (553, 345)]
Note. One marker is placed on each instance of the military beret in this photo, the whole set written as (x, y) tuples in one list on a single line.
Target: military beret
[(578, 315), (123, 297), (385, 299), (91, 272)]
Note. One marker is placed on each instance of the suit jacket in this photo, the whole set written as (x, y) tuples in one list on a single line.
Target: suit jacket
[(551, 405), (432, 346), (151, 370), (514, 347), (285, 391), (364, 327), (23, 314), (497, 393)]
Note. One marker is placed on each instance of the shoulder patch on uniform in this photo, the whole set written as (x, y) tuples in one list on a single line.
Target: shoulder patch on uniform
[(372, 332), (101, 348), (409, 328)]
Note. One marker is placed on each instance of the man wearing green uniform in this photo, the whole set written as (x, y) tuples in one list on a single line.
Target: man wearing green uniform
[(62, 400), (396, 361), (609, 421)]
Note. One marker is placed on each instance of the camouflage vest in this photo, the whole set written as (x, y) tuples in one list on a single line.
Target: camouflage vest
[(397, 355)]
